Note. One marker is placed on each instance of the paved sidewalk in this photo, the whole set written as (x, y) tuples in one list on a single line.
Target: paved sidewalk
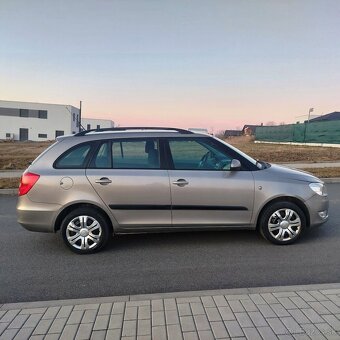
[(291, 312)]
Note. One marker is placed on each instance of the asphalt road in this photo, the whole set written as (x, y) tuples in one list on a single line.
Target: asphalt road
[(37, 266)]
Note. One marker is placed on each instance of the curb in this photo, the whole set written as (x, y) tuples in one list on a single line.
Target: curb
[(232, 293)]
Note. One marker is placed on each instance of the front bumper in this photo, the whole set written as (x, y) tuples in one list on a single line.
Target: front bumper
[(36, 216), (318, 209)]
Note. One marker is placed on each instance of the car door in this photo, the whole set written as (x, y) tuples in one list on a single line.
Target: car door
[(127, 175), (203, 189)]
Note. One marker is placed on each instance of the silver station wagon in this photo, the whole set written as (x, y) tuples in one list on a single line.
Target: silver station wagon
[(99, 183)]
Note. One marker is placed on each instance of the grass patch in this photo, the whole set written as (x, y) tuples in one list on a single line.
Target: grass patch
[(9, 183), (324, 172)]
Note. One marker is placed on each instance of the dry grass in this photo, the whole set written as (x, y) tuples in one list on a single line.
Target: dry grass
[(280, 153), (9, 183), (17, 155), (324, 172)]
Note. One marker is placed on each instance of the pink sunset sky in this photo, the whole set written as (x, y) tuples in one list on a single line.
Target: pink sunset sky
[(209, 64)]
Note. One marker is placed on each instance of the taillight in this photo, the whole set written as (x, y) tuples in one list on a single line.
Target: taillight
[(27, 182)]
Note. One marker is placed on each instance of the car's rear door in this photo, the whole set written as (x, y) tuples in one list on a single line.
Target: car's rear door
[(204, 191), (127, 175)]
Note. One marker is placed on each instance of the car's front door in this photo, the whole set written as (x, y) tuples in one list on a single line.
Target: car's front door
[(204, 191), (127, 176)]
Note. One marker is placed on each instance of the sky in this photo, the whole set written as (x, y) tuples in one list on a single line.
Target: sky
[(216, 64)]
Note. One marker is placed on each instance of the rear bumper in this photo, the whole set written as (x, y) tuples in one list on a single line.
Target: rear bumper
[(36, 216), (318, 210)]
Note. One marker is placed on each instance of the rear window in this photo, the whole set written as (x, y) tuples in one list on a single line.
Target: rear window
[(74, 158)]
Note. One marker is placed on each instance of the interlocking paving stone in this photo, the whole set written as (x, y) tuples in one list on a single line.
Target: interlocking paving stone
[(206, 335), (251, 333), (84, 331), (10, 315), (42, 327), (236, 306), (24, 333), (86, 306), (57, 325), (277, 326), (101, 323), (319, 308), (184, 309), (333, 321), (129, 328), (266, 311), (279, 310), (144, 327), (301, 337), (174, 332), (158, 318), (18, 321), (326, 330), (312, 315), (299, 302), (51, 312), (219, 330), (144, 312), (188, 299), (317, 295), (244, 320), (298, 316), (98, 335), (257, 319), (118, 308), (170, 304), (3, 326), (187, 323), (249, 305), (130, 313), (287, 303), (9, 334), (257, 299), (190, 336), (284, 294), (64, 312), (220, 301), (233, 328), (75, 317), (332, 307), (213, 314), (269, 298), (226, 313), (201, 322), (159, 332), (69, 332), (306, 296), (113, 334), (138, 303), (197, 308), (291, 325), (208, 301), (157, 305), (33, 311), (171, 317), (312, 331), (267, 333), (105, 308), (89, 316), (52, 336), (32, 320), (116, 321)]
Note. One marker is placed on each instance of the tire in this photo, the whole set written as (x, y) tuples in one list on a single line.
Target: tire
[(78, 236), (282, 223)]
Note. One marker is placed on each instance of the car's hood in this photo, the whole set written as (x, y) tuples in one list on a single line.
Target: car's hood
[(293, 174)]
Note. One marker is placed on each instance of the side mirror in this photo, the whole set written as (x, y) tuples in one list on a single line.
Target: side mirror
[(235, 165)]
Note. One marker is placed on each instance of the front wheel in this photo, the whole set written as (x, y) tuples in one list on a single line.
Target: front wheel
[(282, 223), (85, 231)]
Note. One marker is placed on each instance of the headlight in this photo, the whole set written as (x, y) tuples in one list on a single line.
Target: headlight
[(318, 188)]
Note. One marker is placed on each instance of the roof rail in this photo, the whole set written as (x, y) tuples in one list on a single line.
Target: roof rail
[(85, 132)]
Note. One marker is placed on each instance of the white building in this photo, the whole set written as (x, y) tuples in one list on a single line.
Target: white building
[(92, 123), (36, 121), (41, 122)]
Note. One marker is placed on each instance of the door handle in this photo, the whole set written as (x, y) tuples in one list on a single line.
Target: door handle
[(181, 182), (103, 181)]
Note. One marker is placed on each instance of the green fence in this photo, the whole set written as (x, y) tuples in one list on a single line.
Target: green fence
[(318, 132)]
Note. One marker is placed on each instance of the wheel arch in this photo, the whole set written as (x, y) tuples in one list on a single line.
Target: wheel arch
[(291, 199), (62, 214)]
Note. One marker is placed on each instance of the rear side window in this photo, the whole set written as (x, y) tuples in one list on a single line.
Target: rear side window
[(135, 154), (102, 158), (74, 158)]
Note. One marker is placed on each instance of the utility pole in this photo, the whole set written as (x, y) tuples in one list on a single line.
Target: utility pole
[(79, 122)]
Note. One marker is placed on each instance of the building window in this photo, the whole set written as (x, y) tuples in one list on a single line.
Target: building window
[(74, 116), (98, 127), (88, 126), (77, 122), (42, 135), (23, 113), (59, 133), (8, 135), (42, 114)]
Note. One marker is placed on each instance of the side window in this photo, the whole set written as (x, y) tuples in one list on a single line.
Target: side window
[(102, 158), (198, 154), (135, 154), (74, 158)]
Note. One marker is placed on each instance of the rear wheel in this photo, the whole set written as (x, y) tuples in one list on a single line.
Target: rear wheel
[(85, 231), (282, 223)]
